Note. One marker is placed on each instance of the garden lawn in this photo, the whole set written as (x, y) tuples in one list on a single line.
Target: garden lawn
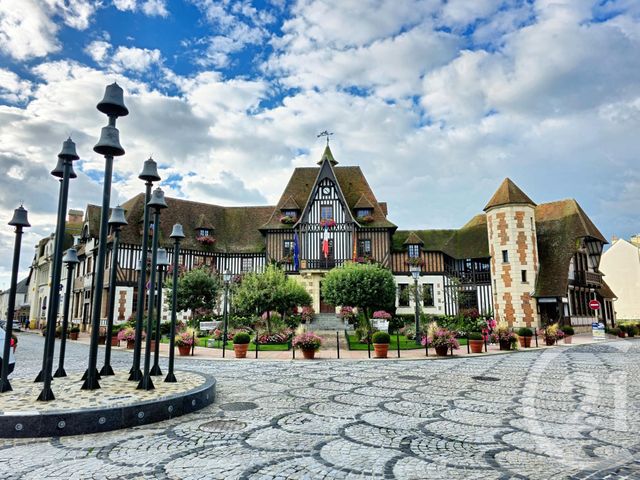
[(405, 344), (273, 347)]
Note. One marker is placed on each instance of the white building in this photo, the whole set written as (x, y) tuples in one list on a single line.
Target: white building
[(621, 266)]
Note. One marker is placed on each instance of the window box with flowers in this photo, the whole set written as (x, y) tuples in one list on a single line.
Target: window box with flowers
[(286, 260), (327, 222), (365, 219), (288, 220), (205, 240), (415, 262), (365, 259)]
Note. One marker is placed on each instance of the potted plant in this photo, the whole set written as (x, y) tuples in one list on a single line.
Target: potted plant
[(115, 329), (184, 342), (309, 343), (73, 332), (476, 342), (622, 331), (503, 335), (552, 333), (442, 340), (128, 335), (524, 337), (568, 332), (632, 330), (614, 331), (381, 344), (241, 344)]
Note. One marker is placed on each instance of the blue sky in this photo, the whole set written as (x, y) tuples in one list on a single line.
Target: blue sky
[(436, 101)]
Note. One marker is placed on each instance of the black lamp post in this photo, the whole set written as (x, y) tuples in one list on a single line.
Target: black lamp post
[(415, 273), (70, 260), (157, 203), (116, 222), (19, 221), (163, 262), (68, 155), (149, 174), (226, 277), (113, 106), (177, 234)]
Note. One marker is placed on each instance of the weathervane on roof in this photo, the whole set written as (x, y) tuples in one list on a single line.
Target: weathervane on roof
[(327, 134)]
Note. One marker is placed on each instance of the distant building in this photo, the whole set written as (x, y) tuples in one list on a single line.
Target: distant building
[(621, 265), (21, 303)]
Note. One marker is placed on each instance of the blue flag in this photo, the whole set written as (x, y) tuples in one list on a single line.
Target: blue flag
[(296, 252)]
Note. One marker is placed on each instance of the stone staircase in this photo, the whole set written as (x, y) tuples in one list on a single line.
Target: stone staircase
[(326, 321)]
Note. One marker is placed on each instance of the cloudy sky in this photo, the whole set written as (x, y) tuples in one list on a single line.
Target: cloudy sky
[(437, 101)]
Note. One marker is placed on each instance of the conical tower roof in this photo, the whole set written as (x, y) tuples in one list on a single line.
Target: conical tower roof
[(508, 193), (329, 156)]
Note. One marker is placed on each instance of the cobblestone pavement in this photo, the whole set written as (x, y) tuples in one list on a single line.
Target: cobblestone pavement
[(569, 412)]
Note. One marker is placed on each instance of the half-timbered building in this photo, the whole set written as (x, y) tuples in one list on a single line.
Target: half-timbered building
[(525, 263)]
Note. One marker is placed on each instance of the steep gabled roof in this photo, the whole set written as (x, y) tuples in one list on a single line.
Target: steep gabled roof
[(413, 239), (204, 223), (508, 193), (290, 204), (363, 202)]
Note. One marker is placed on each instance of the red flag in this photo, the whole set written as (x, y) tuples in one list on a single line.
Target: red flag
[(325, 243)]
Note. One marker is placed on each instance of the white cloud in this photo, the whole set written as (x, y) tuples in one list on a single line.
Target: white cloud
[(136, 59), (124, 5), (98, 50), (155, 8), (12, 88), (28, 31)]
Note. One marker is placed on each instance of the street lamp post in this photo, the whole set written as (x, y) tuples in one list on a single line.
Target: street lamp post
[(113, 106), (158, 203), (68, 154), (70, 260), (163, 262), (415, 273), (226, 276), (116, 222), (19, 221), (177, 234), (149, 174)]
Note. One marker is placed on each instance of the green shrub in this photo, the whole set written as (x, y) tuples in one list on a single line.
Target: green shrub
[(615, 331), (525, 332), (475, 336), (622, 327), (381, 337), (74, 330), (241, 338), (632, 330), (567, 330)]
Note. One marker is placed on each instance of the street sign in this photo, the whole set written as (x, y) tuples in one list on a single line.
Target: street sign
[(597, 330), (594, 305)]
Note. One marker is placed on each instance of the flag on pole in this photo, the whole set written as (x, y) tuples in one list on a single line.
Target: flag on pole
[(354, 255), (325, 243), (296, 252)]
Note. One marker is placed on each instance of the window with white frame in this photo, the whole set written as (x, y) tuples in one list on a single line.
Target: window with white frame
[(247, 264)]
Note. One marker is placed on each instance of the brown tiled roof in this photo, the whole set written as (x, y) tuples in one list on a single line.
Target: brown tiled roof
[(363, 202), (605, 291), (290, 204), (352, 182), (235, 227), (559, 227), (203, 222), (508, 193), (433, 240), (470, 241), (413, 239)]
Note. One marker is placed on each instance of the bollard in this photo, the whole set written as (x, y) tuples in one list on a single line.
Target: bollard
[(257, 344), (398, 343), (426, 348), (193, 343), (485, 343), (452, 350), (369, 348), (536, 332), (468, 351), (338, 343), (293, 352)]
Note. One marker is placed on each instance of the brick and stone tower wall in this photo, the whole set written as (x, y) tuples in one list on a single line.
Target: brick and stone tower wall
[(511, 229)]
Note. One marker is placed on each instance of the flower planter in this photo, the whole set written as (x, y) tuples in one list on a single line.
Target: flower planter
[(240, 349), (115, 342), (130, 344), (152, 345), (73, 335), (525, 342), (184, 350), (476, 346), (442, 350), (309, 353), (550, 341), (505, 345), (622, 335), (568, 339), (380, 350)]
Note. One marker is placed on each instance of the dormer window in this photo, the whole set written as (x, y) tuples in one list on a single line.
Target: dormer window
[(290, 213), (203, 232), (364, 212), (413, 250)]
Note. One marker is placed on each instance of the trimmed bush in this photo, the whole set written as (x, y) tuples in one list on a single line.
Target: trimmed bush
[(525, 332), (475, 336), (241, 338), (74, 330), (381, 337), (567, 330)]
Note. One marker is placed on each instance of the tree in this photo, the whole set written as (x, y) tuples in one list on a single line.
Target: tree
[(267, 291), (198, 290), (366, 286)]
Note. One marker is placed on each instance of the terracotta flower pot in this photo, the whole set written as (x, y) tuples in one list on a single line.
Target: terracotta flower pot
[(152, 345), (550, 341), (568, 339), (476, 346), (380, 350), (525, 342), (505, 345), (131, 344), (309, 353), (73, 335), (115, 342), (442, 350), (184, 350), (622, 335), (240, 349)]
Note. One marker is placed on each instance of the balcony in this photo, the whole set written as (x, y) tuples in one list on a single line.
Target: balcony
[(322, 264), (588, 278)]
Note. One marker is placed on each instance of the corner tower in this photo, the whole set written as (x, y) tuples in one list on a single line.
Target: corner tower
[(513, 246)]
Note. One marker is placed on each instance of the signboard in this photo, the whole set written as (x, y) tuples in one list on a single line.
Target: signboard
[(207, 326), (379, 324), (597, 330), (594, 305)]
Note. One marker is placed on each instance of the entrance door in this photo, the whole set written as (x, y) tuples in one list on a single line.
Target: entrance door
[(325, 307)]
